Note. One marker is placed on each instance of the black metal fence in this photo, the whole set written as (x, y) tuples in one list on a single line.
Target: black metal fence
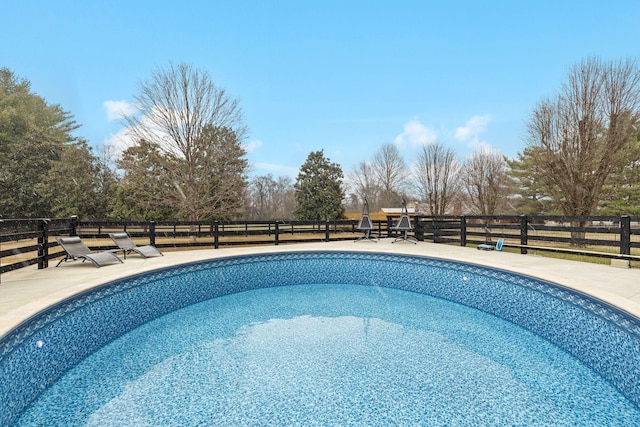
[(32, 241), (597, 236)]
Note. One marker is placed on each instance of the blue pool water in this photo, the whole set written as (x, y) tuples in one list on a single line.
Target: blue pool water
[(330, 355), (401, 338)]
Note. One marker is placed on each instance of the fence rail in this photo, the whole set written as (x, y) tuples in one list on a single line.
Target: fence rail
[(33, 241), (598, 236), (25, 242)]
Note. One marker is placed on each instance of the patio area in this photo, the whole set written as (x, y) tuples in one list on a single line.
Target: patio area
[(27, 291)]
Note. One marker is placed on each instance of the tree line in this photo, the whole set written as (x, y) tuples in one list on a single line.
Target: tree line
[(186, 159)]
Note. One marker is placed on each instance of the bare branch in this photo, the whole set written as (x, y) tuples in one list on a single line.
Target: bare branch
[(195, 122), (486, 181), (581, 135), (437, 174)]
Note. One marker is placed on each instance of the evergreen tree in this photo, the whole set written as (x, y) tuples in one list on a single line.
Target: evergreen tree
[(318, 189), (77, 184), (145, 190), (44, 170), (622, 191), (530, 195), (158, 185), (216, 175)]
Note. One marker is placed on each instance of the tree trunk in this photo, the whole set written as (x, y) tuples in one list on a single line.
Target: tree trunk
[(577, 236)]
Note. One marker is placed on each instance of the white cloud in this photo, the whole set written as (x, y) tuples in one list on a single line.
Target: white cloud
[(119, 142), (116, 110), (253, 145), (472, 129), (415, 134)]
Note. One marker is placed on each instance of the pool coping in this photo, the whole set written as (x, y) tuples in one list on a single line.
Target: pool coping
[(28, 291)]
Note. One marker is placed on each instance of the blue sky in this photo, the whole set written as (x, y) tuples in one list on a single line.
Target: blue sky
[(343, 76)]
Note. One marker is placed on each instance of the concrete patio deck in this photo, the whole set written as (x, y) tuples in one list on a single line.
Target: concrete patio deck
[(27, 291)]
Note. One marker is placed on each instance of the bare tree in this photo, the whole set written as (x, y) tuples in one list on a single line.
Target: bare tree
[(271, 199), (581, 136), (364, 183), (218, 179), (391, 172), (437, 174), (260, 197), (199, 126), (284, 198), (486, 181)]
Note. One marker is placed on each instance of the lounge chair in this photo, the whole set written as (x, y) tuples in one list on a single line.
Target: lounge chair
[(366, 224), (76, 249), (490, 246), (126, 246), (404, 225)]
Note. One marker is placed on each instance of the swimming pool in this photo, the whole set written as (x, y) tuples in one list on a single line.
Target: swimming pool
[(37, 353)]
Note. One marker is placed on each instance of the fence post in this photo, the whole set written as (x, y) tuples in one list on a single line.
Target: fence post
[(277, 233), (524, 238), (625, 235), (74, 225), (419, 228), (463, 231), (326, 231), (43, 243), (152, 233), (216, 225)]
